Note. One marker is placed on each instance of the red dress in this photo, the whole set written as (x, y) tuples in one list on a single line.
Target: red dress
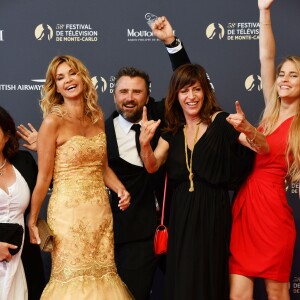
[(263, 231)]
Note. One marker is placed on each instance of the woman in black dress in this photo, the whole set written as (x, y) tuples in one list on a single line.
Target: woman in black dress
[(205, 158)]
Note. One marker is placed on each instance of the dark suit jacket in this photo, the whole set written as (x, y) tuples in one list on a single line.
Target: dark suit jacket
[(139, 221), (31, 255)]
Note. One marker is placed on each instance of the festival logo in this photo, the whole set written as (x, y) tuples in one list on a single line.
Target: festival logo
[(43, 32), (232, 31), (215, 31), (66, 33), (253, 83), (99, 83)]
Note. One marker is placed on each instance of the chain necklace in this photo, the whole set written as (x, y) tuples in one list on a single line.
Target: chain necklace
[(190, 165), (2, 166)]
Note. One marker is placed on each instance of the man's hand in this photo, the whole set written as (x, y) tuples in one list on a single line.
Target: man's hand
[(163, 30)]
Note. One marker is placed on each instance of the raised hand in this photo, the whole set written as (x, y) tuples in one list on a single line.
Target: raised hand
[(148, 128), (265, 4), (238, 120), (29, 135), (163, 30)]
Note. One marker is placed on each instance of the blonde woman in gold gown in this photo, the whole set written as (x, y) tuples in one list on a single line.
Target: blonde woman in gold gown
[(72, 151)]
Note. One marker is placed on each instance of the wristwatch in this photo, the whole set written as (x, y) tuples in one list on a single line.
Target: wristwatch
[(174, 44)]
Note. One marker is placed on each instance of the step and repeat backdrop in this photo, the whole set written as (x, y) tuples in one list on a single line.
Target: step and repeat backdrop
[(106, 35)]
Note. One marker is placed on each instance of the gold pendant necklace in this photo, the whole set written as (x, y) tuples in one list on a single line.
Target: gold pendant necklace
[(190, 165), (2, 166)]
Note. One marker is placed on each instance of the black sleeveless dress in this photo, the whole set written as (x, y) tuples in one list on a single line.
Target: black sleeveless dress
[(200, 221)]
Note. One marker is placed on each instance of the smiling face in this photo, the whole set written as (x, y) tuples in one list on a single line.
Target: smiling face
[(68, 82), (191, 99), (288, 81), (130, 97)]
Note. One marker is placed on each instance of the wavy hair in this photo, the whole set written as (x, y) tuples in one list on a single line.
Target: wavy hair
[(185, 76), (270, 116), (8, 127), (52, 101)]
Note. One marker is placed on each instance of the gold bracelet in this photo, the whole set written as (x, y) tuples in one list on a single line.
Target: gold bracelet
[(265, 23), (251, 141)]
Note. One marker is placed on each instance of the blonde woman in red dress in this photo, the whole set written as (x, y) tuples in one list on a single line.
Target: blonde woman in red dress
[(263, 231)]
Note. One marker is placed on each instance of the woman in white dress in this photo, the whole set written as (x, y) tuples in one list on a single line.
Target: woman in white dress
[(14, 199)]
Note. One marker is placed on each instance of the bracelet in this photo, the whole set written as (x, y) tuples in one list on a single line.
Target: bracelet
[(251, 141), (174, 44), (265, 23)]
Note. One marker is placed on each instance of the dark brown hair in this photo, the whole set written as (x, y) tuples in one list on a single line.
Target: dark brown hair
[(185, 76), (133, 72), (8, 127)]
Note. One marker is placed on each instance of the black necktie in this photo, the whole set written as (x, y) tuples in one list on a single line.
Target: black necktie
[(137, 129)]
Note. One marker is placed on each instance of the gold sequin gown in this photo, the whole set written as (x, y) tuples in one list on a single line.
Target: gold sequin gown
[(80, 216)]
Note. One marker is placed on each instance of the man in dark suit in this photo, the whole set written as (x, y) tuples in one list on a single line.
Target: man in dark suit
[(134, 228)]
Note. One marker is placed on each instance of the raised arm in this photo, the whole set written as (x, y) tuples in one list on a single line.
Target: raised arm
[(250, 136), (163, 30), (152, 159), (266, 48), (29, 135)]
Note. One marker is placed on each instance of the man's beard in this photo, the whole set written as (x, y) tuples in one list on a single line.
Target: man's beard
[(133, 118)]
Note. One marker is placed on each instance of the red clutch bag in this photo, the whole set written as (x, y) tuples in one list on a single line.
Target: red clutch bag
[(161, 233)]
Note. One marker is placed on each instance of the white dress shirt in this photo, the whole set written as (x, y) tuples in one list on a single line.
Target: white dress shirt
[(126, 141)]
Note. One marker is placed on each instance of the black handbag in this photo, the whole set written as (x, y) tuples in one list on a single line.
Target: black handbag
[(12, 233)]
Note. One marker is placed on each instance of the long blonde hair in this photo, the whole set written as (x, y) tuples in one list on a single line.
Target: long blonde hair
[(270, 116), (52, 101)]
